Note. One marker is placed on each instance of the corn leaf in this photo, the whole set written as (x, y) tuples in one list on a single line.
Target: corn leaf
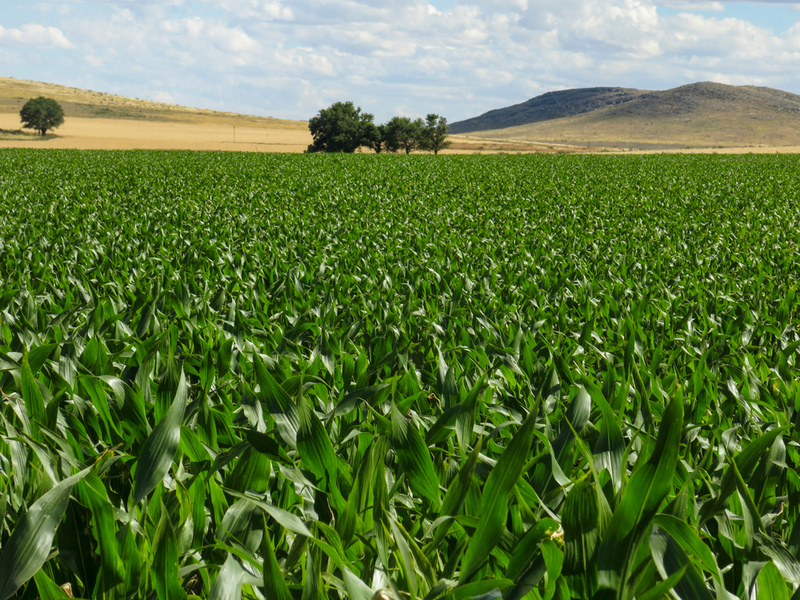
[(494, 502), (159, 449), (30, 542)]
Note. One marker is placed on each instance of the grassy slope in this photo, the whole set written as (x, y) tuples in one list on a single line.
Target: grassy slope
[(79, 103), (703, 114)]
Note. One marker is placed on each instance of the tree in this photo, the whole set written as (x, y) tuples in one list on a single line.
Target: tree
[(339, 128), (375, 137), (435, 133), (402, 132), (41, 114)]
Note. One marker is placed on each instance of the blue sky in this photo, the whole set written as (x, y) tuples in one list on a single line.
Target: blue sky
[(458, 58)]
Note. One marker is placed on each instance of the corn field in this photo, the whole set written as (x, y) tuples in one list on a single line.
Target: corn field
[(326, 377)]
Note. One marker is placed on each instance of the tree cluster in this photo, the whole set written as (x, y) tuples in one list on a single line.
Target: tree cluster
[(342, 127), (41, 114)]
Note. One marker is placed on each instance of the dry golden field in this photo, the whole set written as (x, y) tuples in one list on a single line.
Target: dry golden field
[(105, 121)]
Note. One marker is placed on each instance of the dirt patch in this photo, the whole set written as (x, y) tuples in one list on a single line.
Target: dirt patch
[(473, 145), (732, 150)]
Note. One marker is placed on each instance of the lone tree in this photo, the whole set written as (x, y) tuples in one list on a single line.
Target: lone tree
[(339, 128), (435, 134), (41, 114)]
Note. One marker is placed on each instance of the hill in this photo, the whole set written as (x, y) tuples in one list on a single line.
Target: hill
[(78, 102), (552, 105), (694, 115), (97, 120)]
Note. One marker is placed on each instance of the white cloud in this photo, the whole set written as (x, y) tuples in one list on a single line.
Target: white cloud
[(276, 10), (305, 61), (290, 58), (693, 5), (34, 34), (232, 39), (94, 61), (164, 97), (727, 37)]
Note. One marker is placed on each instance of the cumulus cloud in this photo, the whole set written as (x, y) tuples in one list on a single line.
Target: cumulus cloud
[(720, 37), (694, 5), (164, 97), (34, 34), (306, 60), (290, 58), (271, 10)]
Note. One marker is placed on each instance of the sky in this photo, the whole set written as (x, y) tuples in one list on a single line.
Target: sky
[(456, 58)]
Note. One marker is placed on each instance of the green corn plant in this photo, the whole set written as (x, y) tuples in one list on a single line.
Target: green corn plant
[(307, 377)]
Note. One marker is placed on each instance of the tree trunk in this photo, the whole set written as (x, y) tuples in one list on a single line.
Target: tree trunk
[(44, 131)]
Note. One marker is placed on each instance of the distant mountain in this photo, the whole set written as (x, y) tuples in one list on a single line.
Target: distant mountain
[(698, 114), (552, 105)]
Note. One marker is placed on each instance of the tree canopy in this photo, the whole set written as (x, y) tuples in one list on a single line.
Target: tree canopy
[(339, 128), (342, 127), (435, 133), (376, 138), (404, 134), (41, 114)]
